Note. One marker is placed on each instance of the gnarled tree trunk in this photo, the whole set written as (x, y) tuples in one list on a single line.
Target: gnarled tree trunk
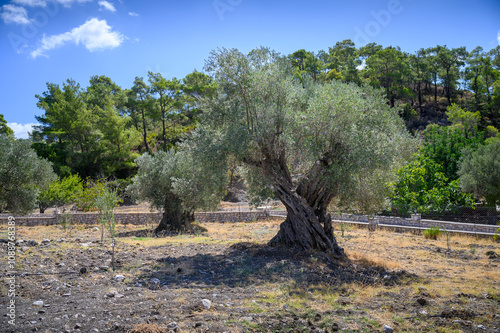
[(175, 218), (307, 225), (306, 228)]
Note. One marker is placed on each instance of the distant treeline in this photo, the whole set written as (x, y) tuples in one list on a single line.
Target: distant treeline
[(100, 130)]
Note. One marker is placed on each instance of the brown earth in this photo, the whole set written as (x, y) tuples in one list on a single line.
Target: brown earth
[(401, 280)]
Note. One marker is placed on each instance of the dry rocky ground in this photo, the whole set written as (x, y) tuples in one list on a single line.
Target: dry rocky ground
[(225, 279)]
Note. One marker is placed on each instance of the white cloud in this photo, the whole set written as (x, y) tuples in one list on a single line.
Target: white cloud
[(68, 3), (133, 14), (107, 5), (21, 130), (362, 66), (43, 3), (94, 34), (31, 3), (14, 14)]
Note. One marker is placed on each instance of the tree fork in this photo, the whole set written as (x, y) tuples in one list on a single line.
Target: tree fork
[(304, 227)]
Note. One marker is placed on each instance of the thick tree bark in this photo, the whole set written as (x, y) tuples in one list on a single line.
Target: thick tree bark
[(307, 226), (175, 218), (42, 208), (304, 228)]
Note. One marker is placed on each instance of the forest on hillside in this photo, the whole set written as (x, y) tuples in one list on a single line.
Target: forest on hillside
[(449, 98)]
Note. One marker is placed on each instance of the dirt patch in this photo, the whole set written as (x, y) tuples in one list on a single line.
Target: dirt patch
[(226, 279)]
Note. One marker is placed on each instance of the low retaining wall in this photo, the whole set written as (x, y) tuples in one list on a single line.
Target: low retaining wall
[(133, 218), (246, 216), (416, 222), (230, 217)]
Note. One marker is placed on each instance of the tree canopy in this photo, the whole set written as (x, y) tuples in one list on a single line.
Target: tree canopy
[(4, 129), (480, 172), (22, 175)]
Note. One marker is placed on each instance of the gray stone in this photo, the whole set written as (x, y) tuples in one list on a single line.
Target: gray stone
[(481, 327), (46, 241), (206, 303), (24, 248), (104, 268), (38, 303), (388, 329), (119, 277), (32, 242), (173, 326), (249, 319), (78, 326)]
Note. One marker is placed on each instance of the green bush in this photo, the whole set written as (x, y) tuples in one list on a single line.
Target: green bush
[(85, 198), (60, 192), (432, 233)]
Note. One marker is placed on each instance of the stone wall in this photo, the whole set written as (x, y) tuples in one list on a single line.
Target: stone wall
[(415, 221), (133, 218), (246, 216)]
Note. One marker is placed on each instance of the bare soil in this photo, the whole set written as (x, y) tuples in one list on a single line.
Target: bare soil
[(400, 280)]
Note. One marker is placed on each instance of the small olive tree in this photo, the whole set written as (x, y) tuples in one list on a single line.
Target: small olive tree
[(480, 172), (106, 202), (175, 182), (22, 175)]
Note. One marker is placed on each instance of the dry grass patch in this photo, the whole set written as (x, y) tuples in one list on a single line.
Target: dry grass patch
[(373, 260)]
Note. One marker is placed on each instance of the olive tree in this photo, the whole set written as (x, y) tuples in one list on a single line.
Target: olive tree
[(310, 141), (22, 175), (480, 172), (175, 182)]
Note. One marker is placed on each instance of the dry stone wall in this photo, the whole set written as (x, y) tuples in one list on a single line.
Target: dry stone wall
[(417, 222), (133, 218)]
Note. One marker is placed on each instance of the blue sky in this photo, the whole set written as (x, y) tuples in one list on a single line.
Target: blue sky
[(52, 40)]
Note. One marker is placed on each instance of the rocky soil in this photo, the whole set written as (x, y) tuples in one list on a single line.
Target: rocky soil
[(227, 280)]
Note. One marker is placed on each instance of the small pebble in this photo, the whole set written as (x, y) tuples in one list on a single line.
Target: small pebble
[(206, 303), (388, 329), (38, 303)]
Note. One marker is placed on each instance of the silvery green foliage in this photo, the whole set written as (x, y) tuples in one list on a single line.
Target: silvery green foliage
[(202, 181), (257, 184), (480, 172), (261, 112), (22, 175), (177, 172)]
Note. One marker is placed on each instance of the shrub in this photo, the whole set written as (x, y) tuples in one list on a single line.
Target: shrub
[(86, 196), (432, 233), (60, 192)]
